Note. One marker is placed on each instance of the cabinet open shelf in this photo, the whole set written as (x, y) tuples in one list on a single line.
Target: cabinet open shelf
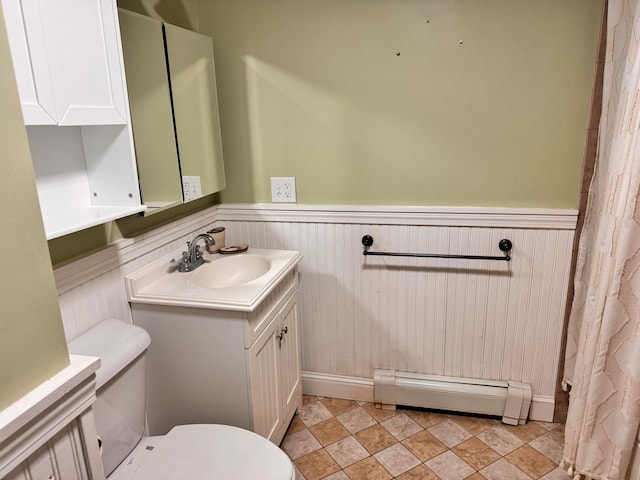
[(57, 225)]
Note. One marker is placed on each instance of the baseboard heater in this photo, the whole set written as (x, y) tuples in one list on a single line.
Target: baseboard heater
[(509, 400)]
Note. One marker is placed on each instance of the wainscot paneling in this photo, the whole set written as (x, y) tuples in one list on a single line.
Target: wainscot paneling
[(92, 289), (467, 318)]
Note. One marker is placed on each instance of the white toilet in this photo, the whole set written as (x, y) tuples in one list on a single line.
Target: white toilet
[(187, 452)]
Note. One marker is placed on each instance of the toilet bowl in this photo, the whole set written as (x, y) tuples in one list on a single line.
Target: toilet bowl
[(216, 452), (186, 452)]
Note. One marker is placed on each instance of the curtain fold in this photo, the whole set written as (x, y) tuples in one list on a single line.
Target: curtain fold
[(602, 358)]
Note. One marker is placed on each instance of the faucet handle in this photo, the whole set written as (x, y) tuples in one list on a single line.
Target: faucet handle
[(180, 259)]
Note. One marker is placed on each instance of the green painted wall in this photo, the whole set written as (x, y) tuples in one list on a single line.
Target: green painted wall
[(32, 343), (378, 102), (405, 102)]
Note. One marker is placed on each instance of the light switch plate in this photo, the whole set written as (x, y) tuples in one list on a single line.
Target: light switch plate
[(283, 189)]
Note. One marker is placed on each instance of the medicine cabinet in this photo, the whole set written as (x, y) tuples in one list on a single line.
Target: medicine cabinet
[(174, 110)]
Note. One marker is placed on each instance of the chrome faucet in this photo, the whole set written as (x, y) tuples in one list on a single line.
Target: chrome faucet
[(192, 258)]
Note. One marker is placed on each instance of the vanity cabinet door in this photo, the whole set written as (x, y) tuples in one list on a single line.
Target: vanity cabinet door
[(289, 346), (265, 383), (274, 365), (67, 60)]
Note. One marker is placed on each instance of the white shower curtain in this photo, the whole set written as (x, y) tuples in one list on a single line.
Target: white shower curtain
[(603, 344)]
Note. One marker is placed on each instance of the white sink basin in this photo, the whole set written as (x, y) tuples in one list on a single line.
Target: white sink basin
[(231, 270), (238, 281)]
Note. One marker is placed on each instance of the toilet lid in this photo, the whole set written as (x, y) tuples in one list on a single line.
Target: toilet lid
[(190, 452)]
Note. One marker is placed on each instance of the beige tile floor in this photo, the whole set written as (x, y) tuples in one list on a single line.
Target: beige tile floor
[(345, 440)]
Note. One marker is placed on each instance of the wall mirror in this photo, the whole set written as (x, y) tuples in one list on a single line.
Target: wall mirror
[(174, 111)]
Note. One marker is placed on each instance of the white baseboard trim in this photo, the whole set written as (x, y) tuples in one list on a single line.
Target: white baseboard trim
[(542, 408), (361, 389), (337, 386)]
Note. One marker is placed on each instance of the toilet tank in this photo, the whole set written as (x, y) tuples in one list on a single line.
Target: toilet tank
[(120, 385)]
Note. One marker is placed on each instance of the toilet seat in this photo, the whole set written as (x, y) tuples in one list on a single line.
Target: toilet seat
[(200, 452)]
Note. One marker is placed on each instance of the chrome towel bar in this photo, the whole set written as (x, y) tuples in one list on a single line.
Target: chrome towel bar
[(504, 245)]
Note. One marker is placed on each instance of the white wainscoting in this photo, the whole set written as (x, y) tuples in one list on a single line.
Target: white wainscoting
[(50, 432), (463, 318), (91, 289)]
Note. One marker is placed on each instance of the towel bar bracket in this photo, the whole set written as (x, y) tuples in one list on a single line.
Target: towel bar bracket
[(504, 245)]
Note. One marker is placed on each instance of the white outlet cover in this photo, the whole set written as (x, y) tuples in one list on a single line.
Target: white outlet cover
[(283, 189), (191, 187)]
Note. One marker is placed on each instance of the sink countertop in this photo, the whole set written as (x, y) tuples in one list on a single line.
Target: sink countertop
[(160, 283)]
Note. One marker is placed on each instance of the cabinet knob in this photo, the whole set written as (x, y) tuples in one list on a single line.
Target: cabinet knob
[(282, 333)]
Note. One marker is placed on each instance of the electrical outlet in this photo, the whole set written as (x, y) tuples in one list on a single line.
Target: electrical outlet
[(283, 189), (191, 187)]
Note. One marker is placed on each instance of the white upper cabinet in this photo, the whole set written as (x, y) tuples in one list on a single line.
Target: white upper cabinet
[(68, 61), (67, 58)]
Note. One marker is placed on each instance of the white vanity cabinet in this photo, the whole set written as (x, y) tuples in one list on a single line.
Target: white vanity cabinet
[(238, 368), (67, 59)]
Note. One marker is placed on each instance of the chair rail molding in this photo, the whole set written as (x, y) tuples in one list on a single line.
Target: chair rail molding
[(77, 271), (548, 218)]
